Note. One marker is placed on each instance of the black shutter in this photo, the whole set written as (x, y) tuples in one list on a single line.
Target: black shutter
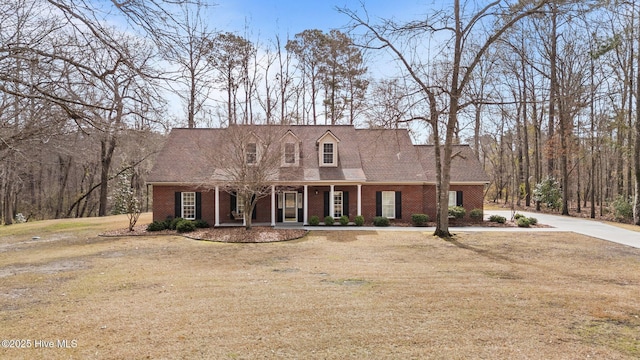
[(178, 205), (458, 198), (345, 203), (398, 205), (198, 205), (255, 207), (326, 204), (378, 203)]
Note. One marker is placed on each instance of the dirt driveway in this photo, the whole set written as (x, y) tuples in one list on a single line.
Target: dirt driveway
[(330, 295)]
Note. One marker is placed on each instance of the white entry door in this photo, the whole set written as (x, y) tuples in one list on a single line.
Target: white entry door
[(290, 206)]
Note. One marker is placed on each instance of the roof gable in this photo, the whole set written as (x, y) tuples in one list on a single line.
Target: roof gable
[(289, 135), (328, 135)]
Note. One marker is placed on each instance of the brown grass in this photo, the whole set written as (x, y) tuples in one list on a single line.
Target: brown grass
[(329, 295)]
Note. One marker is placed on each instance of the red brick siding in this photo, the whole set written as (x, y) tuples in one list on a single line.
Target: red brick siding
[(164, 202), (316, 202), (415, 199), (412, 200), (429, 201), (472, 196)]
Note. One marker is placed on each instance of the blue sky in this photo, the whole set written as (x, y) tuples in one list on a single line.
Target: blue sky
[(265, 18)]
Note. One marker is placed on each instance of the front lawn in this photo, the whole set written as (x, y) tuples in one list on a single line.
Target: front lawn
[(330, 295)]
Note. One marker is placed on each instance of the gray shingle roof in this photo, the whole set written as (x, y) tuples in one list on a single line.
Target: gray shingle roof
[(465, 167), (364, 155)]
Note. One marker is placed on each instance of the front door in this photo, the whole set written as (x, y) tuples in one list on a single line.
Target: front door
[(290, 206)]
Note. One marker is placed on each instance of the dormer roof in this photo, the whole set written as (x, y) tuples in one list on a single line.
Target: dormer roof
[(327, 135), (289, 133)]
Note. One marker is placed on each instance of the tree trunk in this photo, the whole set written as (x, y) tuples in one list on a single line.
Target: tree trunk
[(553, 89), (636, 157), (442, 227), (106, 156), (525, 128), (564, 167), (65, 166)]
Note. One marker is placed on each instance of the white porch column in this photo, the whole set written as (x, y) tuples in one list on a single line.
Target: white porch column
[(305, 205), (273, 205), (331, 201), (359, 211), (217, 207)]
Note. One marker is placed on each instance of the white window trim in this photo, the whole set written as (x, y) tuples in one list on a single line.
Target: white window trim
[(334, 156), (256, 154), (295, 154), (336, 195), (386, 209), (185, 206), (239, 204), (453, 198)]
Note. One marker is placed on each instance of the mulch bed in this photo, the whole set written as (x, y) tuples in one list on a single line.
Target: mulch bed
[(257, 234), (264, 234)]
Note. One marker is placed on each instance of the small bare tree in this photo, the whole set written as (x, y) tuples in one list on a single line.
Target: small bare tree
[(246, 164)]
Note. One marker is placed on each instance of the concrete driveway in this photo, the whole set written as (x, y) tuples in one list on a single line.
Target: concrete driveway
[(580, 226), (558, 224)]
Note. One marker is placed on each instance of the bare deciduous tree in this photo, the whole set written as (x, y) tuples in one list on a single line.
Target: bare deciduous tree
[(461, 66)]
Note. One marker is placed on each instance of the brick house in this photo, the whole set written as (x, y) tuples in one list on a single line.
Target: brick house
[(322, 170)]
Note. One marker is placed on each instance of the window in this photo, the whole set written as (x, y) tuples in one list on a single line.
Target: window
[(289, 153), (189, 205), (389, 204), (452, 198), (337, 204), (328, 154), (239, 204), (455, 198), (252, 153)]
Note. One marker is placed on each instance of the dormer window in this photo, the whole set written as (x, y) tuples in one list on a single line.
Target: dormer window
[(328, 154), (327, 146), (252, 153), (290, 147), (290, 153)]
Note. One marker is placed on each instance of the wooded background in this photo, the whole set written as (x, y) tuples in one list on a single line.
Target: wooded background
[(83, 101)]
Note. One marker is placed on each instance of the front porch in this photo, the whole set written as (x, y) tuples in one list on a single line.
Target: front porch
[(289, 205)]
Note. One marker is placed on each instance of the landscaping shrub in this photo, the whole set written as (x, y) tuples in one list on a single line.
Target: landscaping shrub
[(517, 216), (329, 220), (476, 214), (174, 223), (622, 208), (548, 193), (533, 221), (457, 212), (314, 220), (201, 224), (380, 221), (344, 220), (156, 226), (498, 219), (419, 219), (359, 220), (184, 226), (523, 222)]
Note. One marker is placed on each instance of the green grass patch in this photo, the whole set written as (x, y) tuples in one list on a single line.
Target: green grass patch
[(621, 335)]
